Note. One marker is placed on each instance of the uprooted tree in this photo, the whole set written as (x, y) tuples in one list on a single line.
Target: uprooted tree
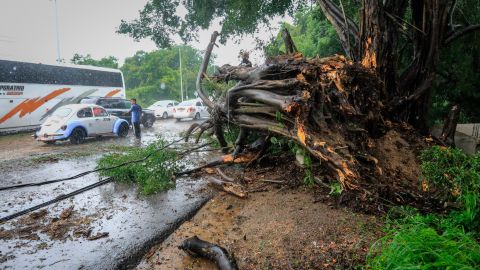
[(333, 107)]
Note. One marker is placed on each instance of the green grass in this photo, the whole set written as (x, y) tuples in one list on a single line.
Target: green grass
[(450, 241), (153, 175), (425, 242)]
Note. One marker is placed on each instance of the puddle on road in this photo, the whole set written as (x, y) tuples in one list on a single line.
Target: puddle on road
[(133, 222)]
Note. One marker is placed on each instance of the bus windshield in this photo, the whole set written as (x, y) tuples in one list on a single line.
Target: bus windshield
[(62, 112)]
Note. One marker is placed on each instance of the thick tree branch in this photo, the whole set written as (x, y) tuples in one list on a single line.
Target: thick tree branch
[(203, 70), (343, 26), (460, 33)]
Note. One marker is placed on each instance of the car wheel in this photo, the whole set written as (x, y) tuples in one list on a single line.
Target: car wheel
[(178, 119), (165, 115), (123, 130), (77, 136), (197, 116), (148, 123)]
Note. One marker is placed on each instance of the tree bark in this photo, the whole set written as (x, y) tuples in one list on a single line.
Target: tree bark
[(450, 126)]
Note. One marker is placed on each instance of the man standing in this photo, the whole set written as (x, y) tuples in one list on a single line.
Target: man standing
[(136, 112)]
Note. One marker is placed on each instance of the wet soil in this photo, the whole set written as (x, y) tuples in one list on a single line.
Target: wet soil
[(276, 229), (282, 224)]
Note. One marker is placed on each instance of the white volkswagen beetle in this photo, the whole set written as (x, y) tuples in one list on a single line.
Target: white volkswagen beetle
[(75, 122)]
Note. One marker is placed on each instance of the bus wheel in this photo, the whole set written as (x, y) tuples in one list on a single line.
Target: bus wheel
[(123, 130), (77, 136)]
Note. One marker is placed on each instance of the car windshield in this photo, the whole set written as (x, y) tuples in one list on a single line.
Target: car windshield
[(186, 103), (62, 112)]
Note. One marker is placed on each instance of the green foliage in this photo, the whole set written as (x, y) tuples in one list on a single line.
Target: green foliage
[(457, 80), (156, 75), (335, 189), (152, 175), (108, 62), (308, 178), (312, 34), (231, 133), (451, 170), (424, 242), (457, 176), (416, 241), (159, 20)]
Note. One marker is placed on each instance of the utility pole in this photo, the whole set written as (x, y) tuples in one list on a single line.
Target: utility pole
[(181, 76), (59, 57)]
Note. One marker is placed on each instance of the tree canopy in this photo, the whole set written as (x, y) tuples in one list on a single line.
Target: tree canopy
[(151, 76), (108, 62), (160, 19)]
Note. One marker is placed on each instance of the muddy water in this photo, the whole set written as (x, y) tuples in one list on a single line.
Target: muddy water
[(133, 222)]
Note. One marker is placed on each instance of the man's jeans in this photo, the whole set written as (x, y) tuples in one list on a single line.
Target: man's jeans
[(136, 129)]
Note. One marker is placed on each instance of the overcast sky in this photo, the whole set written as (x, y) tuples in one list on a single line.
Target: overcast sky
[(27, 31)]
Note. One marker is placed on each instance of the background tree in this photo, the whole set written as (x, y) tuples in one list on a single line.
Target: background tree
[(146, 72), (109, 61)]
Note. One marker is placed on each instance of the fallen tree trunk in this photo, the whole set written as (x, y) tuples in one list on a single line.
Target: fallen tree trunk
[(199, 248)]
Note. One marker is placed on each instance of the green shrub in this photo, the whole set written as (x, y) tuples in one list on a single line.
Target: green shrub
[(154, 174), (415, 241), (457, 177), (452, 171), (425, 242)]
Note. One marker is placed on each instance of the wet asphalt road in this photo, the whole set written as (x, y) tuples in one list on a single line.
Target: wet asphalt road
[(133, 222)]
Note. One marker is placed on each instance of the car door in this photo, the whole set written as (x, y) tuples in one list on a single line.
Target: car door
[(169, 108), (85, 117), (103, 122)]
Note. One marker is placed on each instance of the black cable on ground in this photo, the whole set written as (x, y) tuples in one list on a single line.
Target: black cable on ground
[(88, 172), (57, 199)]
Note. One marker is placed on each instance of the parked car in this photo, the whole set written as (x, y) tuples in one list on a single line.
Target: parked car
[(75, 122), (163, 108), (193, 108), (119, 107)]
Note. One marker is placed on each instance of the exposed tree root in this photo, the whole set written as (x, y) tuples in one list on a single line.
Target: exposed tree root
[(199, 248), (314, 102)]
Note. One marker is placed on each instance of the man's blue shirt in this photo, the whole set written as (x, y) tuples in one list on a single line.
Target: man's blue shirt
[(136, 113)]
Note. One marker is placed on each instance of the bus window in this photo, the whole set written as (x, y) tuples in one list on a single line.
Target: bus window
[(84, 113)]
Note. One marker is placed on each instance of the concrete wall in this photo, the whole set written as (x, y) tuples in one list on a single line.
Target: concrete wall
[(464, 139)]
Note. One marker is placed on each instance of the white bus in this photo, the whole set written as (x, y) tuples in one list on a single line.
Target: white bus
[(31, 92)]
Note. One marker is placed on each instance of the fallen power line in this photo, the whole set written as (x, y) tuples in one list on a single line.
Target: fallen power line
[(57, 199)]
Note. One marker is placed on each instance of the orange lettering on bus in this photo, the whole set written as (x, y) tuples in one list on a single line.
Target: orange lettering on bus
[(30, 105)]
